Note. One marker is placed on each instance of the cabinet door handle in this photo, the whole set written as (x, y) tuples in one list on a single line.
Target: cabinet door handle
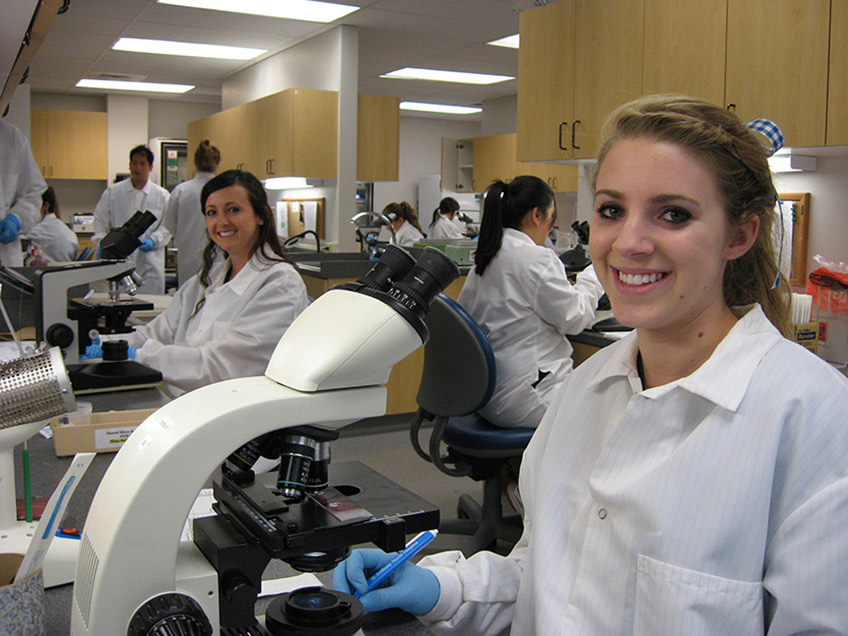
[(573, 132), (731, 107), (562, 124)]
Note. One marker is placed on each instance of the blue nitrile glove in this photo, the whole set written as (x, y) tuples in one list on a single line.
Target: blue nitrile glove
[(93, 350), (146, 245), (130, 353), (97, 256), (9, 228), (411, 588)]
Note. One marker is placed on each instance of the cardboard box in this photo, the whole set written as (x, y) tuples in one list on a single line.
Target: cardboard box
[(106, 433), (807, 335)]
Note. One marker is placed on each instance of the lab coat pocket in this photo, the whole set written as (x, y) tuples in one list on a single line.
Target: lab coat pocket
[(671, 601)]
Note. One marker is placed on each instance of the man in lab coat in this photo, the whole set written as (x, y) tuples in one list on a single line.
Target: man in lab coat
[(123, 199), (21, 185)]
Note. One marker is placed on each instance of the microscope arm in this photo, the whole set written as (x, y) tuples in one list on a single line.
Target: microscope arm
[(52, 284)]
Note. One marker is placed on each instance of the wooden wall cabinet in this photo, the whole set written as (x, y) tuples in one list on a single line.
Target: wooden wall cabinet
[(579, 59), (470, 165), (69, 144), (290, 133), (378, 138)]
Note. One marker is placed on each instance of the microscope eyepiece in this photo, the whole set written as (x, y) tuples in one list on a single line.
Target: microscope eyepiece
[(432, 273), (394, 264)]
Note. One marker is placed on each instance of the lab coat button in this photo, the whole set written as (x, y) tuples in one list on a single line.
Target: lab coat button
[(602, 514)]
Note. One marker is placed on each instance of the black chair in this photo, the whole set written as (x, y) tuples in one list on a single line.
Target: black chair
[(458, 379)]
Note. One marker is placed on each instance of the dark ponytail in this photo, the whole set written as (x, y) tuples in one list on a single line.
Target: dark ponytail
[(448, 205), (506, 205)]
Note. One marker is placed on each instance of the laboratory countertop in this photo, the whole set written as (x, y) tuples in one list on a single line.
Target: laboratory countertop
[(47, 471)]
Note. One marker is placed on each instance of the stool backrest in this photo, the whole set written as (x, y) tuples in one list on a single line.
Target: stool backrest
[(459, 365)]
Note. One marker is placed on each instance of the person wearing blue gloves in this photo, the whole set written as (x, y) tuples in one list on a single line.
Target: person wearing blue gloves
[(225, 321), (691, 478), (123, 199), (21, 185)]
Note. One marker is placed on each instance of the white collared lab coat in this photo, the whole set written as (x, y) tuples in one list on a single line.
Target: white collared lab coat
[(58, 242), (714, 505), (185, 221), (234, 333), (407, 235), (21, 186), (116, 206), (526, 306), (444, 228)]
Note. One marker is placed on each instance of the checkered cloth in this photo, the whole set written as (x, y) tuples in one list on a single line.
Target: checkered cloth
[(771, 131)]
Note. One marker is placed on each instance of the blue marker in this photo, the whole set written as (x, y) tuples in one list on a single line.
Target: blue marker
[(411, 549)]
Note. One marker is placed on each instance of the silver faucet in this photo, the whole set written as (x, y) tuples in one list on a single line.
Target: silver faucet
[(380, 221)]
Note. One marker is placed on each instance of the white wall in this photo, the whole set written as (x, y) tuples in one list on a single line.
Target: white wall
[(499, 116), (828, 188), (170, 118), (56, 101), (128, 127)]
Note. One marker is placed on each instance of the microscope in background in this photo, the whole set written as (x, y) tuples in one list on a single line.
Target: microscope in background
[(68, 322), (368, 225), (135, 577)]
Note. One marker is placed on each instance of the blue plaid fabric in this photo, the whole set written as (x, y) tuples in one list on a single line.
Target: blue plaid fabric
[(770, 130)]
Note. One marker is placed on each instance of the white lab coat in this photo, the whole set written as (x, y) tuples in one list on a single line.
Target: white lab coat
[(232, 335), (716, 504), (444, 228), (407, 235), (116, 206), (185, 221), (526, 306), (57, 241), (21, 186)]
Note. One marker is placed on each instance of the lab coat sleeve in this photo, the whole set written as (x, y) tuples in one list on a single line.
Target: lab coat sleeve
[(570, 308), (30, 184), (237, 347), (169, 220), (102, 217)]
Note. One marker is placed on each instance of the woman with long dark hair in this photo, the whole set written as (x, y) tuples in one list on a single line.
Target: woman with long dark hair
[(442, 225), (520, 295), (225, 321)]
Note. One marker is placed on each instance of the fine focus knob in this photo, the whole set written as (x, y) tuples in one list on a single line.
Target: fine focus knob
[(170, 614), (59, 335)]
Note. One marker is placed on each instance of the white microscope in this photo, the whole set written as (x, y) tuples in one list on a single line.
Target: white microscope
[(136, 577)]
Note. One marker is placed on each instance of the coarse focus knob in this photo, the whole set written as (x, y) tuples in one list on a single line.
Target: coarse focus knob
[(59, 335), (170, 614)]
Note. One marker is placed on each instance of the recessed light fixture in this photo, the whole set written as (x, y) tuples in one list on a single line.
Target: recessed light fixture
[(187, 49), (286, 183), (439, 108), (510, 42), (306, 10), (446, 76), (139, 87), (790, 162)]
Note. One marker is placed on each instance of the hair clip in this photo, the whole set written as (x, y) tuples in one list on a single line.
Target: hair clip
[(770, 131)]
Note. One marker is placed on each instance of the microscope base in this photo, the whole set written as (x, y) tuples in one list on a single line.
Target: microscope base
[(60, 564), (100, 377)]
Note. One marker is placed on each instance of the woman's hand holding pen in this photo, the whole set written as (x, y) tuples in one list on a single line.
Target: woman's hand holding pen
[(411, 588)]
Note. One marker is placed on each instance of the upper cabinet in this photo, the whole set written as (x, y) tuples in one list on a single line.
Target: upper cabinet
[(69, 144), (777, 57), (378, 138), (295, 133), (579, 59), (837, 94)]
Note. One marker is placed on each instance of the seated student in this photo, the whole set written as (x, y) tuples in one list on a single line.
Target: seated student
[(691, 478), (442, 226), (404, 220), (225, 321), (519, 293), (57, 242)]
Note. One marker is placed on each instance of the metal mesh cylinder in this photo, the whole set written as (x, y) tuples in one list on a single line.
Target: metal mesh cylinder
[(34, 389)]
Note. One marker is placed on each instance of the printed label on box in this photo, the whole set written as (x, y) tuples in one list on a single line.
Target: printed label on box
[(108, 438)]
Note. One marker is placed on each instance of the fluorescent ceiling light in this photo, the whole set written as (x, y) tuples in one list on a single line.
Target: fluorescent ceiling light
[(510, 42), (789, 162), (187, 49), (446, 76), (139, 87), (306, 10), (286, 183), (439, 108)]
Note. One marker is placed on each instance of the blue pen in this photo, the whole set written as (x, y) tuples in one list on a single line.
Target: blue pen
[(411, 549)]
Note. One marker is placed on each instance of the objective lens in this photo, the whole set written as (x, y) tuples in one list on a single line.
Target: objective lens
[(295, 461), (432, 273), (393, 265)]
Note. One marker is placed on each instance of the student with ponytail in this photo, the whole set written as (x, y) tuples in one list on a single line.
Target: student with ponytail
[(519, 293), (404, 220), (442, 225)]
